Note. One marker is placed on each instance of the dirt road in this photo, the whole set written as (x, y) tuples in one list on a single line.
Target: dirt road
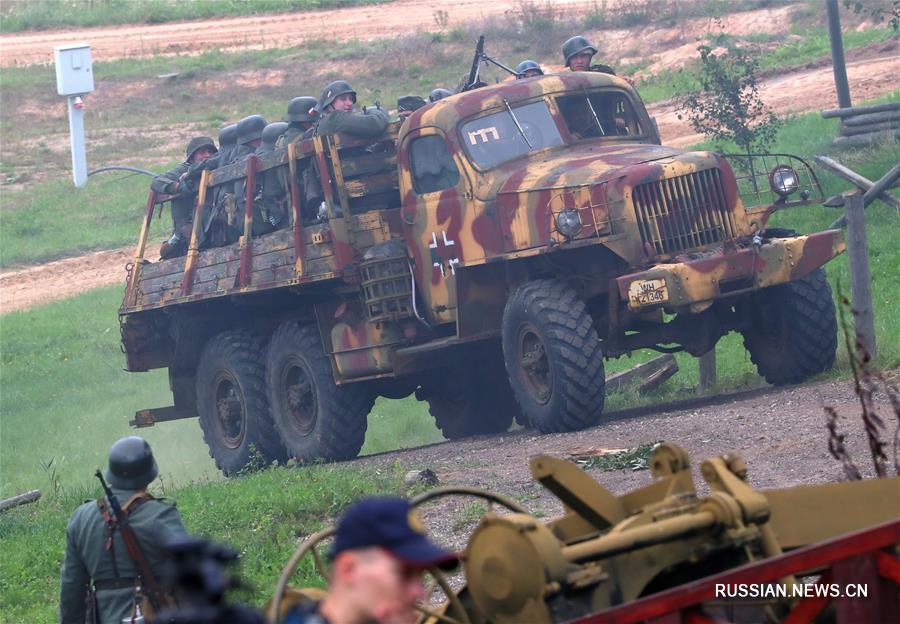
[(364, 23), (779, 431)]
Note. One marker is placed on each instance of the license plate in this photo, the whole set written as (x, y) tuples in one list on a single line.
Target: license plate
[(648, 292)]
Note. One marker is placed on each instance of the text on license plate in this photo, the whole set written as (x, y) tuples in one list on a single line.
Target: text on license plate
[(648, 292)]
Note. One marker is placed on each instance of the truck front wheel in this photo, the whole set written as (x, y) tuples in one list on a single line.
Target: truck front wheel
[(231, 402), (793, 330), (315, 418), (553, 358)]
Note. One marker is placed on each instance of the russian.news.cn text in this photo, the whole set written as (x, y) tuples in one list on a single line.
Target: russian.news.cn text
[(800, 590)]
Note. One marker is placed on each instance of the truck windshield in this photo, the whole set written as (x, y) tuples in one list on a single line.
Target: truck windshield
[(508, 134), (595, 114)]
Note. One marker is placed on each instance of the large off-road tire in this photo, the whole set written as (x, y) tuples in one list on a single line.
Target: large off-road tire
[(315, 418), (793, 330), (469, 399), (231, 402), (553, 357)]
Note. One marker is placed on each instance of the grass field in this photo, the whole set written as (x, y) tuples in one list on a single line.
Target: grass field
[(262, 515), (17, 15)]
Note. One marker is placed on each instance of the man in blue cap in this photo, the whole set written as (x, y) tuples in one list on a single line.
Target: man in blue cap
[(379, 553)]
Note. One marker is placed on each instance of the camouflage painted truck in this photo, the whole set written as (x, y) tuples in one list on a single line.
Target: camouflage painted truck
[(485, 255)]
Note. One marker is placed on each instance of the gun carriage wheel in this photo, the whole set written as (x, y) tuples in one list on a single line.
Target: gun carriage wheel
[(454, 614)]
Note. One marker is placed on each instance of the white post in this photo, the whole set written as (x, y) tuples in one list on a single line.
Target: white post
[(76, 137), (74, 79)]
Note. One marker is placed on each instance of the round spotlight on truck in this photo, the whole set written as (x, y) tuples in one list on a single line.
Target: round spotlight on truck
[(568, 222), (784, 180)]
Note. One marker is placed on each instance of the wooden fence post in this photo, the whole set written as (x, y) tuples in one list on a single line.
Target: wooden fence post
[(860, 279), (708, 369)]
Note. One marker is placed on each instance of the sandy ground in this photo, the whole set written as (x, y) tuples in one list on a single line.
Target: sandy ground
[(365, 23), (779, 431)]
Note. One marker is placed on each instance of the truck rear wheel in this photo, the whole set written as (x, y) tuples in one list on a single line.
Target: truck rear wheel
[(793, 330), (553, 357), (315, 418), (231, 402)]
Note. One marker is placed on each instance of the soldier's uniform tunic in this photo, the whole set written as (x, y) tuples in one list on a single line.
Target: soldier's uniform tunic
[(183, 203), (87, 559), (367, 125)]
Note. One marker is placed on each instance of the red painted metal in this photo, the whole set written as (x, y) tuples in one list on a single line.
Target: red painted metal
[(769, 570), (857, 570), (888, 566), (246, 263)]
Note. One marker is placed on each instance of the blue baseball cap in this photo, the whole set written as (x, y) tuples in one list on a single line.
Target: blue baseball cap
[(394, 525)]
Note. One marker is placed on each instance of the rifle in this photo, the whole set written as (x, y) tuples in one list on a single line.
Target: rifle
[(476, 62), (155, 595), (480, 57)]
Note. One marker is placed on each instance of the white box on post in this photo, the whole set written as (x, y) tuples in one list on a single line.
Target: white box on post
[(75, 78)]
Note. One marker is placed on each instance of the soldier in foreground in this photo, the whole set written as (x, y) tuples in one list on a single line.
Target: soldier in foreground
[(101, 580), (175, 182), (578, 52), (337, 115), (379, 553)]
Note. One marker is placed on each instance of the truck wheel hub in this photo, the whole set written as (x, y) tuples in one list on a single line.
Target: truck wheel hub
[(230, 412), (301, 398), (534, 364)]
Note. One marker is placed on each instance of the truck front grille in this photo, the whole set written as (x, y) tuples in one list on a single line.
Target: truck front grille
[(684, 212)]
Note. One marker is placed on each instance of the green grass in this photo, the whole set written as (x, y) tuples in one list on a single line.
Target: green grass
[(52, 219), (18, 15), (813, 46), (65, 399), (261, 515)]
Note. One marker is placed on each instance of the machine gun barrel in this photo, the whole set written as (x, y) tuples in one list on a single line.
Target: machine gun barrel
[(631, 539)]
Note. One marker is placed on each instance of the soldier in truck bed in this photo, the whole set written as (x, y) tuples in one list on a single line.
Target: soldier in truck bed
[(337, 115), (301, 114), (176, 182)]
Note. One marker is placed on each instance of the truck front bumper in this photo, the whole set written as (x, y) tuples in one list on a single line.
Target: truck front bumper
[(701, 278)]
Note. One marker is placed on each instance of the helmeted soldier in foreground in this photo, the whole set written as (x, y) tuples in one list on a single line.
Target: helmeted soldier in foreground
[(528, 69), (337, 115), (379, 554), (176, 182), (98, 571), (301, 114)]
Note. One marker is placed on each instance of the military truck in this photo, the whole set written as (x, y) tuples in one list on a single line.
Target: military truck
[(484, 255)]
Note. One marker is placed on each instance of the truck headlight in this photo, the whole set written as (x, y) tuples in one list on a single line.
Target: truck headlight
[(783, 180), (568, 222)]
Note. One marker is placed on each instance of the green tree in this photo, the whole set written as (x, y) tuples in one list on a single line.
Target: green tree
[(728, 106)]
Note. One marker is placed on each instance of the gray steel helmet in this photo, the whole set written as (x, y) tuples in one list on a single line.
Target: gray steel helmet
[(271, 133), (439, 94), (228, 136), (330, 93), (298, 109), (528, 65), (577, 45), (131, 464), (198, 143), (250, 128)]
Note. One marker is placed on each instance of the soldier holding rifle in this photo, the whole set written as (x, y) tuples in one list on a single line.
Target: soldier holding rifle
[(114, 552)]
